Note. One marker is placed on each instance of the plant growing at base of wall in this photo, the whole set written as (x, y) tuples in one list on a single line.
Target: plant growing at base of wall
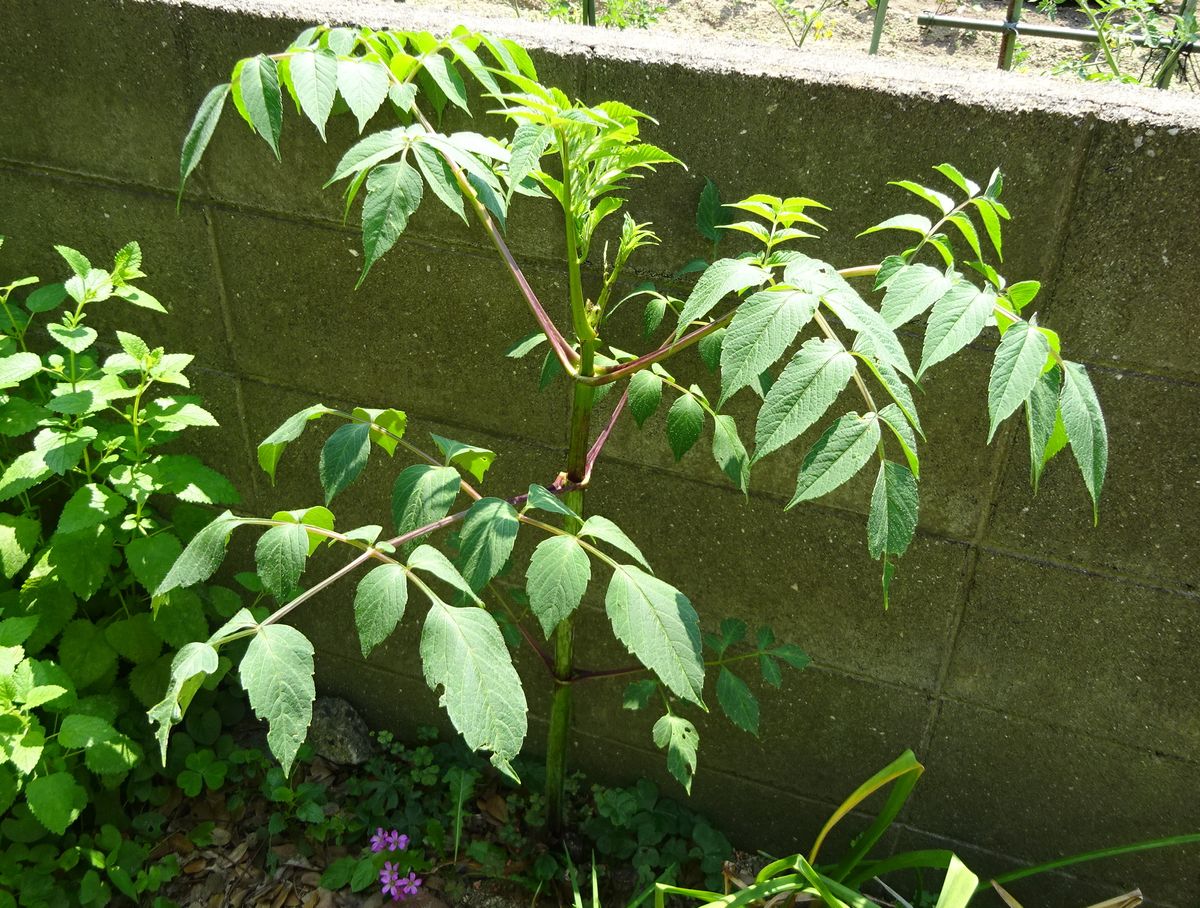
[(771, 304), (84, 540)]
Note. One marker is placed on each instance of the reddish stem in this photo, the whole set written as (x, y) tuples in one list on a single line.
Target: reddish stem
[(598, 446)]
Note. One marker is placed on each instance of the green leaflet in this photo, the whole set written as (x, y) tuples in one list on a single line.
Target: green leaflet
[(729, 452), (645, 393), (487, 540), (892, 521), (660, 627), (473, 459), (150, 558), (913, 223), (315, 80), (910, 291), (1018, 366), (956, 320), (739, 704), (837, 455), (685, 420), (18, 367), (257, 98), (200, 132), (280, 555), (720, 278), (277, 673), (56, 800), (543, 499), (18, 538), (440, 179), (364, 86), (447, 79), (188, 670), (422, 494), (202, 556), (763, 327), (377, 147), (605, 530), (558, 574), (393, 194), (271, 448), (1084, 422), (680, 739), (1042, 418), (897, 390), (959, 886), (344, 456), (463, 652), (530, 141), (711, 215), (379, 604), (805, 389), (427, 558), (894, 419)]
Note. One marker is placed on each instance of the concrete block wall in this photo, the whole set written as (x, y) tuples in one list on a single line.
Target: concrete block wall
[(1044, 670)]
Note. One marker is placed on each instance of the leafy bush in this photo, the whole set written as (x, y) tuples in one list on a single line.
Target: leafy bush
[(781, 306), (83, 543)]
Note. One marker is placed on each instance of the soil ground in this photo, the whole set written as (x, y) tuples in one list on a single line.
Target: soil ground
[(756, 21)]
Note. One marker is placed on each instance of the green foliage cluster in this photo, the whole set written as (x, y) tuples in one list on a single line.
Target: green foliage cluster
[(857, 880), (1139, 41), (93, 516), (773, 322)]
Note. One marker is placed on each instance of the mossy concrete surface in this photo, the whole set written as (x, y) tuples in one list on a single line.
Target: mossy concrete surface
[(1044, 669)]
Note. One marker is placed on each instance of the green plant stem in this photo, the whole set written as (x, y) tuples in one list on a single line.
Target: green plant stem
[(1101, 37), (1188, 839), (578, 435)]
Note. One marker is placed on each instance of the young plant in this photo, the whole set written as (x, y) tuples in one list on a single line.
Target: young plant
[(85, 538), (746, 314)]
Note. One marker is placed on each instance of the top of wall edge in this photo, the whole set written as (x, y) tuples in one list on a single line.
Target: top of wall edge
[(993, 89)]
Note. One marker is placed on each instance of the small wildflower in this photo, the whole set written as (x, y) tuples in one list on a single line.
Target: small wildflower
[(410, 884), (394, 841), (379, 840), (393, 884)]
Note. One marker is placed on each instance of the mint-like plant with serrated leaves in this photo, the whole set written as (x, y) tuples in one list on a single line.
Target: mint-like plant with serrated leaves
[(93, 512), (775, 322)]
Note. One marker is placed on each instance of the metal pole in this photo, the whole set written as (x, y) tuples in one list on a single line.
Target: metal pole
[(1084, 35), (1008, 41), (877, 30)]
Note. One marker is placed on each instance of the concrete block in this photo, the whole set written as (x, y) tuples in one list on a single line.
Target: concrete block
[(1125, 293), (94, 87), (1148, 508), (841, 145), (806, 572), (1103, 657), (41, 211), (1036, 793), (427, 332)]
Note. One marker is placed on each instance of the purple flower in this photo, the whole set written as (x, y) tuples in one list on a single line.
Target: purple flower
[(410, 884), (379, 840), (394, 841), (391, 881)]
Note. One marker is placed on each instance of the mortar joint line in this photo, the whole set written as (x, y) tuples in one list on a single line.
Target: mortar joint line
[(227, 324), (970, 567), (1083, 152)]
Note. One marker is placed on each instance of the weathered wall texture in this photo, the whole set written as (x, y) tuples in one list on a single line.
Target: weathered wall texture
[(1045, 671)]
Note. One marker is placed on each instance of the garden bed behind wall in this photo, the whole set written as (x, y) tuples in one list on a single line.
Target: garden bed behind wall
[(1044, 670)]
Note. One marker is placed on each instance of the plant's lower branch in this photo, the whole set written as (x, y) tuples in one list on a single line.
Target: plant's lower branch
[(602, 439)]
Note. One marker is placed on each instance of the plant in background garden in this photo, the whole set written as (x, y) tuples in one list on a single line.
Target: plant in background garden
[(84, 541), (809, 20), (771, 305), (1137, 41)]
